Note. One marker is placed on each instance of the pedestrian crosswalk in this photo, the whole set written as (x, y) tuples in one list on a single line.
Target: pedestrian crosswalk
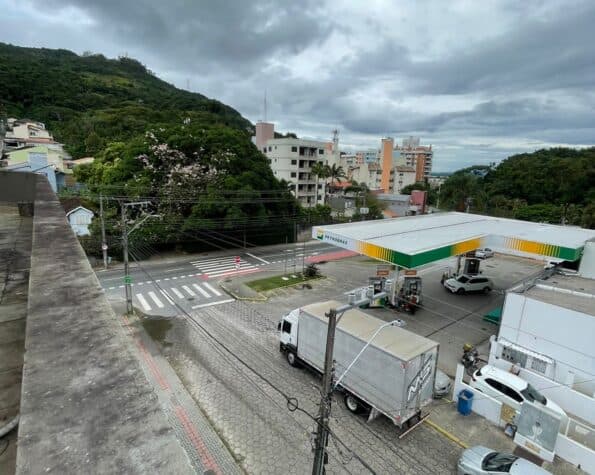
[(157, 298), (219, 266)]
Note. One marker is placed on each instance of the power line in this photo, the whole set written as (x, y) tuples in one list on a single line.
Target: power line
[(292, 402)]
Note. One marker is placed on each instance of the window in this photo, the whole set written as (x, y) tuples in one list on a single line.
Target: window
[(494, 384), (463, 279), (264, 149), (538, 365), (294, 149), (286, 327), (532, 395), (270, 148), (294, 162), (511, 393), (498, 462), (320, 151), (293, 174)]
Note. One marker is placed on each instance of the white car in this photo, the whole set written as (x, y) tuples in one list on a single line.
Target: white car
[(510, 389), (480, 460), (469, 283), (484, 253)]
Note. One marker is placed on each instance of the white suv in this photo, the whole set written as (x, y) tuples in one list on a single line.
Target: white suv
[(469, 283), (510, 389)]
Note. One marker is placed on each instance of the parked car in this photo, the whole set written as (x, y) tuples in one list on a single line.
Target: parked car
[(510, 389), (481, 460), (442, 384), (484, 253), (469, 283)]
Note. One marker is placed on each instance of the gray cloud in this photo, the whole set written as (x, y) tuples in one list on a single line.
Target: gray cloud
[(478, 81)]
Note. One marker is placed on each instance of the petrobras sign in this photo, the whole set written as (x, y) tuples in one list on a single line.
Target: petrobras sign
[(335, 239)]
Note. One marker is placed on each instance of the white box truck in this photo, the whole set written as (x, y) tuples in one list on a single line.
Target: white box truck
[(394, 376)]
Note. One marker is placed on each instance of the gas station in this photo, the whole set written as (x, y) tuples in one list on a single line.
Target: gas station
[(414, 241)]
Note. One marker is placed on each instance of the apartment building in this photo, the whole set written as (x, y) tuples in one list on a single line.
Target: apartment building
[(292, 160), (22, 132), (403, 176), (412, 154)]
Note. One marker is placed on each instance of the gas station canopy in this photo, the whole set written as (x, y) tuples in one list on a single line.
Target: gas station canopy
[(417, 240)]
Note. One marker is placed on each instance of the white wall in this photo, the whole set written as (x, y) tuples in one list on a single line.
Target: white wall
[(559, 333)]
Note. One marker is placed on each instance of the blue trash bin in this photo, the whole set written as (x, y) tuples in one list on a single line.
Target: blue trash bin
[(465, 402)]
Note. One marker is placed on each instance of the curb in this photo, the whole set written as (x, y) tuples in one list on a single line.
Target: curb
[(260, 298), (446, 434)]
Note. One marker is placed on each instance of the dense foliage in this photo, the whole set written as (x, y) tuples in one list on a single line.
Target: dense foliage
[(205, 183), (555, 186), (90, 101)]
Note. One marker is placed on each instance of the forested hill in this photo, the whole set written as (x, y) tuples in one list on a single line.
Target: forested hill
[(89, 101), (555, 185)]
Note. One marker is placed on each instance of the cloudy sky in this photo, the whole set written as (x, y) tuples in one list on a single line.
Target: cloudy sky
[(478, 80)]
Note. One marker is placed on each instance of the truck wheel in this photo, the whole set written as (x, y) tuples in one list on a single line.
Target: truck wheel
[(292, 359), (352, 403), (461, 291), (486, 290)]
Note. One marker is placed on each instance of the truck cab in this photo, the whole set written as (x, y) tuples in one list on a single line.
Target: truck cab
[(288, 329)]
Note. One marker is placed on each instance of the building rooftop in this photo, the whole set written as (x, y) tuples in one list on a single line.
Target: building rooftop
[(565, 290)]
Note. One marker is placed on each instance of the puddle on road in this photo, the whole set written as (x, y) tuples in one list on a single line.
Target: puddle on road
[(157, 328)]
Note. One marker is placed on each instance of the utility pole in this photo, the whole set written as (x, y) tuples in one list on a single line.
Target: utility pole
[(322, 433), (103, 243), (295, 246), (324, 413), (127, 280)]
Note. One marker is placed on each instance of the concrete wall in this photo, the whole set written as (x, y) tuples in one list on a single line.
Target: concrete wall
[(86, 405), (576, 453), (561, 334), (17, 187)]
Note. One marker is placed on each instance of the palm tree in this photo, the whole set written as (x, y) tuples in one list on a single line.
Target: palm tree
[(335, 172), (320, 170)]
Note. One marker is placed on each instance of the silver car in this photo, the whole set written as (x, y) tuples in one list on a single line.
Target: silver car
[(480, 460), (442, 384)]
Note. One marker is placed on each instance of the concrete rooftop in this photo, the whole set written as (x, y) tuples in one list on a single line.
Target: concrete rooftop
[(569, 291)]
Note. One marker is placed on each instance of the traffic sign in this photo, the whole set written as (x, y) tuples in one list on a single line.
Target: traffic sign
[(104, 247), (128, 279)]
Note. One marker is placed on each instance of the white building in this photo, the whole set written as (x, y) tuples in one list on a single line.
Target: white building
[(26, 132), (79, 219), (404, 176), (292, 160)]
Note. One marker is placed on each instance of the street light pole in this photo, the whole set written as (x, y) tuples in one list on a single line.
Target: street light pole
[(103, 243), (127, 281), (394, 323), (125, 235)]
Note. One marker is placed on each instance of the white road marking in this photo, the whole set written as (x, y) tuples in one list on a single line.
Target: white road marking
[(143, 302), (167, 278), (174, 270), (173, 278), (158, 302), (111, 288), (158, 280), (121, 287), (212, 289), (182, 277), (167, 297), (257, 258), (210, 304), (189, 290), (140, 283), (202, 291), (179, 294)]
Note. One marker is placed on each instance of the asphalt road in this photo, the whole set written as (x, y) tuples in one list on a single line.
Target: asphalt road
[(161, 286)]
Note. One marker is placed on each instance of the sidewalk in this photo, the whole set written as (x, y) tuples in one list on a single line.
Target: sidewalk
[(471, 430)]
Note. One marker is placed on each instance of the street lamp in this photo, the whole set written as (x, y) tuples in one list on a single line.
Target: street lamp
[(394, 323)]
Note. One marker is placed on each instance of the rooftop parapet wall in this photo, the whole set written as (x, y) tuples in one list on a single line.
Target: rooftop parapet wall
[(86, 406)]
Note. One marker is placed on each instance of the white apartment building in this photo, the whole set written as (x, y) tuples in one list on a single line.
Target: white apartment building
[(404, 176), (292, 160), (24, 132)]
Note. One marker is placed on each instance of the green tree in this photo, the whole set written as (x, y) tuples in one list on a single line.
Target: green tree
[(319, 170)]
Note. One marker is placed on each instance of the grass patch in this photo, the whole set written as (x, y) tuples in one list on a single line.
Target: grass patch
[(278, 281)]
